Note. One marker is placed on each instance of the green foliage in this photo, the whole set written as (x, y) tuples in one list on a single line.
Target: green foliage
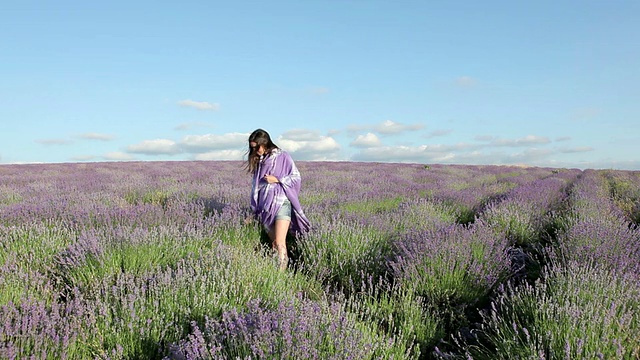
[(18, 243), (463, 213), (372, 206), (399, 314), (345, 256), (562, 317), (423, 214), (133, 258), (172, 252), (8, 196), (317, 197), (12, 289), (216, 280), (24, 267), (517, 220), (625, 192), (148, 196)]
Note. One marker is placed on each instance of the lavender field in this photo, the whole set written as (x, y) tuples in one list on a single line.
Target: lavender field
[(153, 260)]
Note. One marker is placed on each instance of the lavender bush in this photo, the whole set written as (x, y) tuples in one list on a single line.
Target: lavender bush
[(24, 268), (452, 266), (586, 303), (625, 191), (597, 231), (154, 260), (36, 329), (526, 211), (469, 189), (400, 312), (302, 330), (577, 311)]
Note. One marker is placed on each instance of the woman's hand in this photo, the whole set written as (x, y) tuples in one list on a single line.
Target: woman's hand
[(271, 179)]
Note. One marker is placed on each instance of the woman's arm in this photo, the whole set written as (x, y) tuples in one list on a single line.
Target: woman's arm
[(284, 172), (271, 179)]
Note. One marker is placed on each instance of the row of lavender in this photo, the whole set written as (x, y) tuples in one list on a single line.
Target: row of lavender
[(400, 253), (586, 304), (151, 196), (625, 192), (152, 259)]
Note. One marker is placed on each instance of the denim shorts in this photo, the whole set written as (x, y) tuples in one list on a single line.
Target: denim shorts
[(285, 211)]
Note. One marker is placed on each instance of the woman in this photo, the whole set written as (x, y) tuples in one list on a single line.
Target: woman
[(274, 195)]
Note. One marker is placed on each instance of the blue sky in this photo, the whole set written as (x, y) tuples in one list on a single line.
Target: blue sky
[(540, 83)]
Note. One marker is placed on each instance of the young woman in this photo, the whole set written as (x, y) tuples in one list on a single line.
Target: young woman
[(274, 195)]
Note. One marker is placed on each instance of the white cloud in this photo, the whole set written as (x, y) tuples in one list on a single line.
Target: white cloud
[(531, 156), (423, 153), (208, 142), (221, 155), (387, 127), (305, 144), (532, 139), (155, 147), (301, 135), (200, 105), (439, 132), (354, 129), (485, 138), (525, 141), (460, 153), (366, 141), (309, 145), (392, 127), (611, 164), (478, 157), (578, 149), (301, 143), (117, 155), (96, 136), (191, 125), (459, 147), (54, 141)]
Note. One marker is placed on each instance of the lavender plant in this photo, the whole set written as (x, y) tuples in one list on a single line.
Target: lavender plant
[(585, 305), (453, 269), (131, 316), (625, 192), (341, 254), (399, 313), (291, 330), (597, 230), (25, 268), (35, 329), (458, 261), (527, 210), (577, 311), (128, 260)]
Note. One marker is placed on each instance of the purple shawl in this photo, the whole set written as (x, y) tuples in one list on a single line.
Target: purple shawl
[(266, 199)]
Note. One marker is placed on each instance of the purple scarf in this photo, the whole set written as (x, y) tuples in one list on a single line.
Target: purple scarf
[(266, 199)]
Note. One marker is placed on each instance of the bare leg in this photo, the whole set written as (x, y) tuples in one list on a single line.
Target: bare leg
[(278, 236)]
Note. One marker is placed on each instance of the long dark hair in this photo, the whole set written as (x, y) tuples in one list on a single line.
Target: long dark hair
[(260, 137)]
